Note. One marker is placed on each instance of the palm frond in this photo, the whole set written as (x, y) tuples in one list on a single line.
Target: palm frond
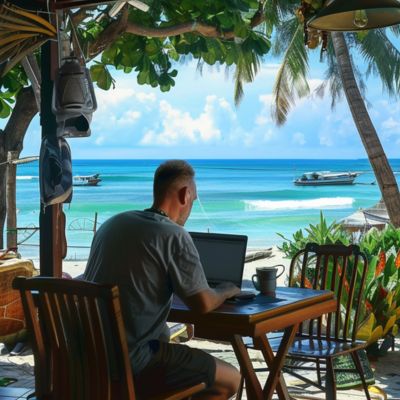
[(382, 57), (284, 33), (247, 65), (21, 33), (291, 81), (395, 29), (276, 11)]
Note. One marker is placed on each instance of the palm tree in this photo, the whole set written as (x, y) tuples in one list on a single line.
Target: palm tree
[(376, 154), (383, 57)]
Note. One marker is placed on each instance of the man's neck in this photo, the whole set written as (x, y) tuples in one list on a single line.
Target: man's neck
[(158, 210)]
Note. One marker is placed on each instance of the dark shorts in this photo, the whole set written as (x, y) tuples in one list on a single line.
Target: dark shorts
[(174, 366)]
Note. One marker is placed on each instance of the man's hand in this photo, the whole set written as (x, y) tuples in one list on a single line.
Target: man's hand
[(209, 299), (227, 289)]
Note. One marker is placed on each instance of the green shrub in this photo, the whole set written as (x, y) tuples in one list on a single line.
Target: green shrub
[(380, 314)]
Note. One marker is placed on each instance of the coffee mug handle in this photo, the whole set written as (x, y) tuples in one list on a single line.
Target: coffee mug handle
[(283, 269), (256, 284)]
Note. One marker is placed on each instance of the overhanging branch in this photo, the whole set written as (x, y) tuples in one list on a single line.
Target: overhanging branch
[(121, 25)]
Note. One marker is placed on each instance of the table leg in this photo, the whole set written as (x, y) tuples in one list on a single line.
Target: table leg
[(275, 363), (253, 386)]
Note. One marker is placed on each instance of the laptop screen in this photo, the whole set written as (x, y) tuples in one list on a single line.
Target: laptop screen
[(222, 256)]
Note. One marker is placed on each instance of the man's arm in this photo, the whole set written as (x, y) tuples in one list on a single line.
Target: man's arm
[(209, 299)]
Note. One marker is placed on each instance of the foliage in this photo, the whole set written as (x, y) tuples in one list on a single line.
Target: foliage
[(380, 315), (375, 241), (321, 233), (232, 40), (10, 85), (375, 47), (154, 59)]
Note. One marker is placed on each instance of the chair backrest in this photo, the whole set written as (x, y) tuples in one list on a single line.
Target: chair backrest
[(78, 339), (339, 268)]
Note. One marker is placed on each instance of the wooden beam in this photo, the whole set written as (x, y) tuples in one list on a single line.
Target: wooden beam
[(51, 218)]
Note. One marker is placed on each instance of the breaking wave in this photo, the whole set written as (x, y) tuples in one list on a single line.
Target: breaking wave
[(321, 203), (26, 177)]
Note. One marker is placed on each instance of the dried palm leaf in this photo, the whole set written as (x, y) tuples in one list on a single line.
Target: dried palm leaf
[(21, 51), (21, 33)]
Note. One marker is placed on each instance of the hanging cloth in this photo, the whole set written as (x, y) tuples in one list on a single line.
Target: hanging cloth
[(55, 175)]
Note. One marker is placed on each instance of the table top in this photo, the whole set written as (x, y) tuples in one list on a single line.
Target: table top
[(262, 313)]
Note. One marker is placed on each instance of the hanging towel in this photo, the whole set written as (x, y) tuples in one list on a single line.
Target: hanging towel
[(55, 171)]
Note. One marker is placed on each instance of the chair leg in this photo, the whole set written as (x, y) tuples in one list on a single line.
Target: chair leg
[(330, 380), (360, 370), (318, 365), (240, 389)]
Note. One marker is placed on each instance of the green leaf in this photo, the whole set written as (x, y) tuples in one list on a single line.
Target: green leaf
[(143, 77), (101, 76), (5, 109)]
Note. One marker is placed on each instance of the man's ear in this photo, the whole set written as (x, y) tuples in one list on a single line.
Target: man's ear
[(183, 195)]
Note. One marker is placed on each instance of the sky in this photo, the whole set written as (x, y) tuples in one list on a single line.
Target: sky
[(197, 119)]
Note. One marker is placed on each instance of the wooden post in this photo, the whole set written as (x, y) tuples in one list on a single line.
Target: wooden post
[(95, 223), (11, 199), (52, 233)]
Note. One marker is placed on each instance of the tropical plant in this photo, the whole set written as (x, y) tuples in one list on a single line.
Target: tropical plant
[(380, 314), (374, 46), (320, 233), (375, 241), (382, 302)]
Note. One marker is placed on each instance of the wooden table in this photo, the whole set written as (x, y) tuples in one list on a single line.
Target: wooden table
[(231, 321)]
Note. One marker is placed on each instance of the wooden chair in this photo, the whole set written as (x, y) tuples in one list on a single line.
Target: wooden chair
[(78, 341), (343, 270)]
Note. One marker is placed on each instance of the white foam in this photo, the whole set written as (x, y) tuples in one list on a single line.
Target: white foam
[(321, 203), (26, 177)]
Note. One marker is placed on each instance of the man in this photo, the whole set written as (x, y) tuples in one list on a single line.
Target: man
[(150, 256)]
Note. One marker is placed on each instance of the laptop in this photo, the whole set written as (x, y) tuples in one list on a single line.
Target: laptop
[(222, 257)]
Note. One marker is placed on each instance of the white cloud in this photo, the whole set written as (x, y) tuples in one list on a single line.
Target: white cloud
[(325, 140), (100, 140), (299, 138), (269, 135), (180, 127), (146, 97), (391, 124), (268, 70), (129, 117), (113, 97), (264, 116)]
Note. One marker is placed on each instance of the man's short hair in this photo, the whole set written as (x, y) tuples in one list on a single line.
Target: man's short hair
[(168, 173)]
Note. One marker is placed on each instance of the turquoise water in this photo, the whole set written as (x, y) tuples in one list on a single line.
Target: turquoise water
[(252, 197)]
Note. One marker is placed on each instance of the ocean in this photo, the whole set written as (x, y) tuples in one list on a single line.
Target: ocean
[(252, 197)]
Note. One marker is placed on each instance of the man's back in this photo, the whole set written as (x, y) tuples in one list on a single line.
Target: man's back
[(149, 257)]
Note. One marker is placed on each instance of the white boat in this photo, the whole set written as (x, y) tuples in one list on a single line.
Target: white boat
[(320, 178), (86, 180)]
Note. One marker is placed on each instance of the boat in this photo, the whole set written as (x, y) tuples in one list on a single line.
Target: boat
[(321, 178), (86, 180)]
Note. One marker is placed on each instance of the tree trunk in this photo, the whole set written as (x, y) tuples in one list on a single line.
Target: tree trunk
[(11, 201), (11, 139), (376, 155), (3, 177)]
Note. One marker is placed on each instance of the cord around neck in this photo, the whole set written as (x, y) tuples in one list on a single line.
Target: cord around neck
[(157, 211)]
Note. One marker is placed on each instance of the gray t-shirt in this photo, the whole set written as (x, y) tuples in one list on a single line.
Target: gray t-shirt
[(149, 257)]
